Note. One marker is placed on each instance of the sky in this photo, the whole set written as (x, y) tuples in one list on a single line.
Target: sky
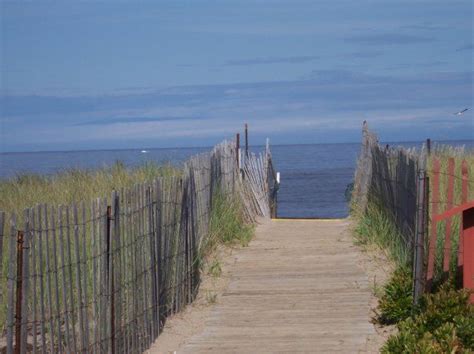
[(130, 74)]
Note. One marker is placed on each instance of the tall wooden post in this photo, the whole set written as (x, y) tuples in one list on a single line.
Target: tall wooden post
[(19, 290), (246, 140), (237, 138), (110, 280), (468, 248), (419, 252)]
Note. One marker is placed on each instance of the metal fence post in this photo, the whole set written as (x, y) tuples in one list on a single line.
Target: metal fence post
[(19, 290)]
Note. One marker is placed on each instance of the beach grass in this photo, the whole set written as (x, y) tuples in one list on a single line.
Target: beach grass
[(75, 185), (227, 224), (444, 153)]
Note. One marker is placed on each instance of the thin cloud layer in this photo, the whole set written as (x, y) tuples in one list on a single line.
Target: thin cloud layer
[(272, 60), (389, 39)]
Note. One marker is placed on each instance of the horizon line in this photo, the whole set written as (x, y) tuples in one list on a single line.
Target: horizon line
[(211, 146)]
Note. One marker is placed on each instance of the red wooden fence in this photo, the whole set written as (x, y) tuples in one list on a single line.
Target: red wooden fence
[(466, 232)]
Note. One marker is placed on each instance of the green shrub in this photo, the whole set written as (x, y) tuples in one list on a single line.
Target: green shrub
[(395, 304), (444, 323)]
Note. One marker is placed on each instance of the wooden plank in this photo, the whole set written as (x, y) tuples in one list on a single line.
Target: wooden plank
[(143, 266), (11, 282), (151, 240), (49, 291), (136, 276), (255, 314), (78, 278), (449, 205), (85, 274), (70, 278), (34, 274), (454, 211), (41, 278), (67, 322), (127, 272), (95, 287), (104, 285), (158, 243), (26, 279), (464, 197), (433, 230), (57, 284)]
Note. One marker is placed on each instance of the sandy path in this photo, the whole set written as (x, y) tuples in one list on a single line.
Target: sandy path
[(298, 287)]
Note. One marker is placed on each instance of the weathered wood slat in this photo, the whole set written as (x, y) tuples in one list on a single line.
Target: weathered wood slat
[(12, 270), (85, 292), (67, 319)]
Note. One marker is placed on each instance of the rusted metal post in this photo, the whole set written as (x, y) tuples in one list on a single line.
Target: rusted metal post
[(246, 140), (19, 290), (110, 277), (468, 240)]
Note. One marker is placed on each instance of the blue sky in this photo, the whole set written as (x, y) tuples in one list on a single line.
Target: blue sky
[(117, 74)]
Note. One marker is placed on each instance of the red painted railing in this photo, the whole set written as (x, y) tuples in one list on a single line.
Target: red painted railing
[(466, 233)]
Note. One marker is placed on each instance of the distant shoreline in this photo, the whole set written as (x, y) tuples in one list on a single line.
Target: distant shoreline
[(411, 142)]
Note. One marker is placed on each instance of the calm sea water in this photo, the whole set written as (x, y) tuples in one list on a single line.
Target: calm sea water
[(313, 177)]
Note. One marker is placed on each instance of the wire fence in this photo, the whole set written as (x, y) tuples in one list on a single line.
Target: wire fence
[(413, 187), (103, 276), (386, 177)]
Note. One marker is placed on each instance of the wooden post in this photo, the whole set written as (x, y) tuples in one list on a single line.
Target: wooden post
[(19, 290), (464, 192), (449, 205), (237, 148), (433, 231), (246, 140), (468, 239), (110, 280), (421, 213)]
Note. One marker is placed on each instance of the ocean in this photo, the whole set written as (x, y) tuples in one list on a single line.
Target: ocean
[(313, 180)]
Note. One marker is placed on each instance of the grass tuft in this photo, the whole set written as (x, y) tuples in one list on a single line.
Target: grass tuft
[(375, 227), (396, 300), (227, 224)]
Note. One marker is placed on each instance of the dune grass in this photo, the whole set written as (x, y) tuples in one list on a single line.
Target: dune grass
[(375, 227), (74, 185), (67, 187), (227, 223), (443, 320), (227, 227), (443, 153)]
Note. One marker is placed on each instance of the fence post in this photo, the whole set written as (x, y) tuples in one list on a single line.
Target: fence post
[(468, 240), (246, 140), (237, 150), (19, 290), (421, 214), (110, 280)]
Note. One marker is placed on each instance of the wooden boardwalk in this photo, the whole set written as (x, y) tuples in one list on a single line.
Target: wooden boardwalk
[(296, 288)]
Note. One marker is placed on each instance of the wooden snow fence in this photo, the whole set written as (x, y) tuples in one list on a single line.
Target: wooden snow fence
[(102, 276)]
